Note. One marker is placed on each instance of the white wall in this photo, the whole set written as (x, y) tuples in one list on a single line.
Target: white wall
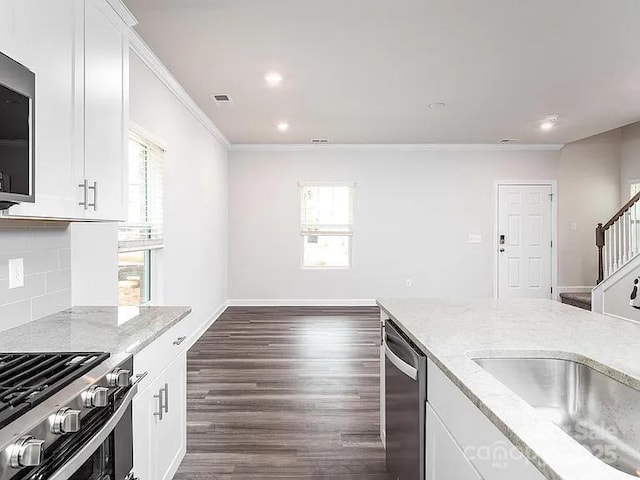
[(194, 260), (630, 162), (413, 213), (589, 192), (193, 264)]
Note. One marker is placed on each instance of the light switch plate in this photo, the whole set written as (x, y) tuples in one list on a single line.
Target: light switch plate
[(16, 273), (474, 238)]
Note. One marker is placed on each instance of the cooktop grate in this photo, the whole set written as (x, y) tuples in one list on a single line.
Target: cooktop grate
[(27, 379)]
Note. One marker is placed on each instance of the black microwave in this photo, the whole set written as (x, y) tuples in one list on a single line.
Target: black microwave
[(17, 133)]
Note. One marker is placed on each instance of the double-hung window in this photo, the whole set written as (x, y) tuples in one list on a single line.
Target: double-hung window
[(142, 233), (326, 224)]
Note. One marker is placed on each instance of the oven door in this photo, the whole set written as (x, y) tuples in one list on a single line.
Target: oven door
[(102, 450)]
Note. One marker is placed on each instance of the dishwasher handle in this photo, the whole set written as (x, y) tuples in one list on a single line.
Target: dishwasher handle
[(405, 368)]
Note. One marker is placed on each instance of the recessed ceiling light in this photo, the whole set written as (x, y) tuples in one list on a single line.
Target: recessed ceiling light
[(437, 105), (548, 123), (273, 79), (283, 126)]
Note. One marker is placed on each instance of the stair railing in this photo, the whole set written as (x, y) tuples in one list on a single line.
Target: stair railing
[(618, 240)]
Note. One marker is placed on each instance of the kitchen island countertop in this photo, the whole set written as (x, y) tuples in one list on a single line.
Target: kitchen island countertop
[(453, 332)]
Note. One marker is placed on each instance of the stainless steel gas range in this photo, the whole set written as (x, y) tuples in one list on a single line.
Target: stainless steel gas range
[(66, 416)]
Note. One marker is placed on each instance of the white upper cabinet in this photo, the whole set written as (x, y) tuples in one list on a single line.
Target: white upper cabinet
[(78, 50), (105, 111), (41, 36)]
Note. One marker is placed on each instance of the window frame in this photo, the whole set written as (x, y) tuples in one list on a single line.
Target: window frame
[(350, 236), (152, 262)]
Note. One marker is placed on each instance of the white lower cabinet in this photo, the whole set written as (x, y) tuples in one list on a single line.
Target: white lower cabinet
[(445, 458), (160, 423), (383, 422), (461, 433)]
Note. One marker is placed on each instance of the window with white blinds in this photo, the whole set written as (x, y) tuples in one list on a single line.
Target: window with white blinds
[(143, 229), (326, 224)]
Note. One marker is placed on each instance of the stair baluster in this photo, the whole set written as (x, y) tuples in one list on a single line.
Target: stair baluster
[(618, 240)]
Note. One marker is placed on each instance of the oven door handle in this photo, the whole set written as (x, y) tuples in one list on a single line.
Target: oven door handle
[(405, 368), (69, 468)]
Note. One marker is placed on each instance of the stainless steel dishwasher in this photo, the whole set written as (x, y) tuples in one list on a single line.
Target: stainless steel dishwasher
[(405, 405)]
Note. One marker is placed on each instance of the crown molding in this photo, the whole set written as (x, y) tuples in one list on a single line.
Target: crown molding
[(123, 12), (413, 147), (144, 52)]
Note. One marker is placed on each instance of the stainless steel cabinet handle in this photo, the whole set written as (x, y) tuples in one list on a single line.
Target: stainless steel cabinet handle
[(95, 196), (179, 340), (85, 193), (166, 398), (160, 412), (138, 378)]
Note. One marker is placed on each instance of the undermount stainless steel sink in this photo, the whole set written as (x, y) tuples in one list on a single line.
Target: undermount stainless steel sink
[(597, 411)]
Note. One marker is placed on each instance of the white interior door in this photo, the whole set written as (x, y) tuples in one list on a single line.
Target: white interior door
[(524, 241)]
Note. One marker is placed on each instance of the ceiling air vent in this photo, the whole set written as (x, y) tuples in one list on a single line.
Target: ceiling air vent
[(221, 98), (509, 140), (319, 140)]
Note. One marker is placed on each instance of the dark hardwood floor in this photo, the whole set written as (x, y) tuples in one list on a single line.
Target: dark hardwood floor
[(285, 393)]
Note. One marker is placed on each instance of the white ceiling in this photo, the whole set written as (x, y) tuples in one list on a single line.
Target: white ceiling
[(365, 71)]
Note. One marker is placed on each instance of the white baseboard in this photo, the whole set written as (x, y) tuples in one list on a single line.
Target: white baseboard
[(577, 289), (332, 302), (205, 326)]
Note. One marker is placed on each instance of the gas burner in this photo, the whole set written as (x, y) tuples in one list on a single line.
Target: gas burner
[(27, 379)]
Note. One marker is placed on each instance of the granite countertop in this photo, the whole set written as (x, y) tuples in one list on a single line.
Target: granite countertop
[(451, 333), (119, 331)]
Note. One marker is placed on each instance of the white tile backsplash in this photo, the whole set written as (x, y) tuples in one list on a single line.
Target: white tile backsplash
[(14, 314), (45, 248), (58, 280)]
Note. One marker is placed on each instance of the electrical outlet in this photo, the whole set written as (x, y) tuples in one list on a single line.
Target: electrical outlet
[(408, 283), (16, 273)]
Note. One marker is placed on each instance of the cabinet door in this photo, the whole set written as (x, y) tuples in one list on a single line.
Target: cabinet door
[(8, 42), (144, 429), (45, 42), (160, 443), (171, 435), (445, 459), (105, 110), (383, 426)]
